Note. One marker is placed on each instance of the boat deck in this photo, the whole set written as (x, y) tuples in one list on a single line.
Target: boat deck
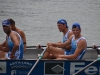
[(31, 53)]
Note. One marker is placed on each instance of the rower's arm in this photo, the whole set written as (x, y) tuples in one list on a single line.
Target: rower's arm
[(69, 46), (16, 42), (3, 44), (4, 47), (24, 39), (63, 45)]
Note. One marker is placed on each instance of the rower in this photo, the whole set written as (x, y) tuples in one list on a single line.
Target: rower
[(21, 33), (78, 46), (14, 47)]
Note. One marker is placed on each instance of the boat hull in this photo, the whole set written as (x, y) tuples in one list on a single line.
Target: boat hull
[(48, 67)]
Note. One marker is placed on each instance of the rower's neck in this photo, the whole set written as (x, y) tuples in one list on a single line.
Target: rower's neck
[(65, 31), (8, 33), (15, 29), (77, 37)]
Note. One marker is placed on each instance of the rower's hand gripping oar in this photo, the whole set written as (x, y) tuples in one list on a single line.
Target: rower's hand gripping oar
[(39, 58)]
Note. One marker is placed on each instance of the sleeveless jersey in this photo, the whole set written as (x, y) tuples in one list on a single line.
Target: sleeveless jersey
[(74, 46), (20, 51), (65, 38)]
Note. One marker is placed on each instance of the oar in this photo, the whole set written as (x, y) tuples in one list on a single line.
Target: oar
[(86, 66), (45, 46), (98, 59), (33, 46), (39, 58), (92, 46)]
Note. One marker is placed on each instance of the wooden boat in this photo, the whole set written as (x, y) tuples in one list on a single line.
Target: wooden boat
[(50, 67)]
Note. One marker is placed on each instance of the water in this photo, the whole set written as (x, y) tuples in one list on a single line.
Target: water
[(37, 18)]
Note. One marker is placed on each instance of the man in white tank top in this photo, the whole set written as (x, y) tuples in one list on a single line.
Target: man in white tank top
[(63, 27), (78, 46), (13, 43), (19, 31)]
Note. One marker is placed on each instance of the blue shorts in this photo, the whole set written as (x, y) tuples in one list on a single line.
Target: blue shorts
[(17, 55), (66, 53)]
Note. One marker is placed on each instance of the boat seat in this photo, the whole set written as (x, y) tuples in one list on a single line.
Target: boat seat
[(90, 54)]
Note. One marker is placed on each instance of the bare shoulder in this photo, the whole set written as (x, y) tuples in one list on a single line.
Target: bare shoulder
[(70, 33), (82, 43), (12, 34), (70, 38), (21, 32)]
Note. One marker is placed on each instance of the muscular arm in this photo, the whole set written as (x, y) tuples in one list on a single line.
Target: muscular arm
[(4, 47), (23, 36), (3, 44), (69, 46), (16, 42), (63, 45)]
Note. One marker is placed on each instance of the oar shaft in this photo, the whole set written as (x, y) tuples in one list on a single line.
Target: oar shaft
[(37, 62), (34, 46), (85, 67), (33, 67), (91, 46), (45, 46)]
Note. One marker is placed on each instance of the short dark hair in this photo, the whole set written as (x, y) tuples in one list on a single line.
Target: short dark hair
[(11, 21)]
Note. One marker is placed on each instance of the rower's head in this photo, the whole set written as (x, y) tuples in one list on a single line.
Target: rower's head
[(76, 28), (12, 22), (76, 25), (62, 24), (6, 26)]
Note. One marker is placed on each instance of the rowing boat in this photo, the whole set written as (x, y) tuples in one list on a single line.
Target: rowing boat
[(50, 67), (31, 53)]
